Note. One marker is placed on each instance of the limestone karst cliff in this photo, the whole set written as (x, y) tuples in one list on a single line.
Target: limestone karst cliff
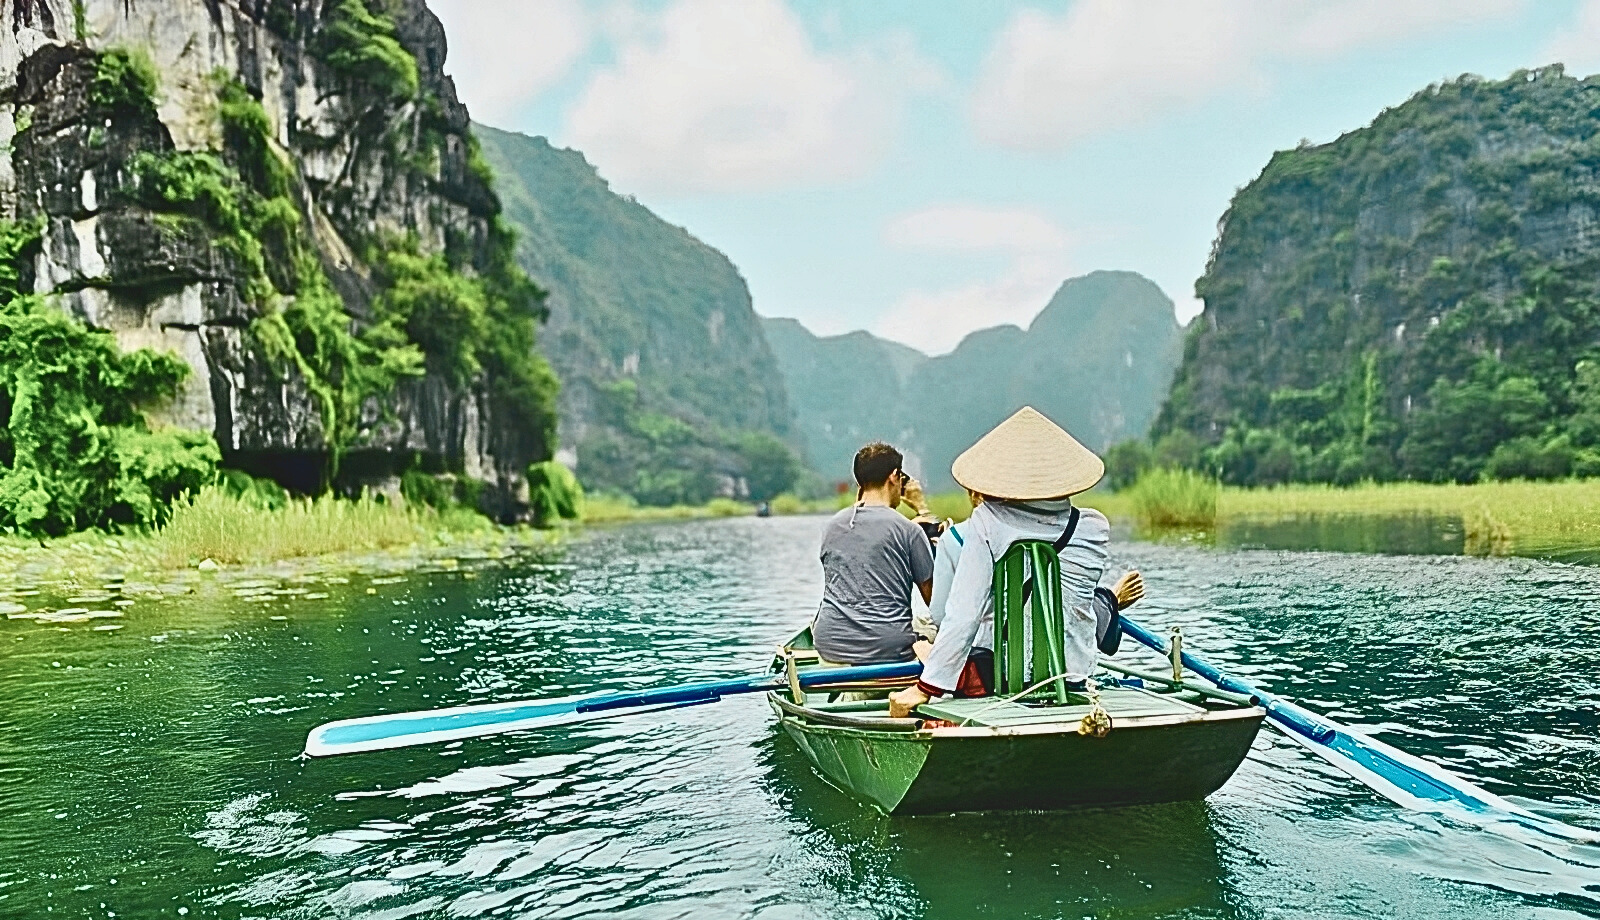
[(286, 194), (669, 391), (1416, 299)]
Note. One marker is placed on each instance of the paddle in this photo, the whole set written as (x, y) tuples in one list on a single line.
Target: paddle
[(1407, 780), (404, 729)]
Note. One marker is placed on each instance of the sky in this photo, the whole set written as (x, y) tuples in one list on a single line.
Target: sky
[(924, 169)]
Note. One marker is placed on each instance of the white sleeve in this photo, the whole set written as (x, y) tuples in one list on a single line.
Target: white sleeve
[(969, 599), (1082, 562), (944, 572)]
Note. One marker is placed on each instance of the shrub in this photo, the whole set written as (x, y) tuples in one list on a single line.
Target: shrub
[(788, 503), (554, 493), (1528, 458), (1175, 498), (261, 493), (1126, 462), (771, 466), (361, 46), (76, 451), (124, 81)]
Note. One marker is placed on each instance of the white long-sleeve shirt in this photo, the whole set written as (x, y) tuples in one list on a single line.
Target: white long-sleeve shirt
[(963, 600)]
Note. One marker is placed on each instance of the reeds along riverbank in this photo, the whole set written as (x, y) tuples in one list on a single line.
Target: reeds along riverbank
[(1497, 518), (1522, 518), (213, 524), (232, 537)]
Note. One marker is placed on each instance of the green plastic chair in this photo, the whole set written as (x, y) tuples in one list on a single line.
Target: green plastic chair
[(1029, 627)]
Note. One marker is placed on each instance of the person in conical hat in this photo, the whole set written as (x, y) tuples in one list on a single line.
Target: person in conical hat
[(1021, 477)]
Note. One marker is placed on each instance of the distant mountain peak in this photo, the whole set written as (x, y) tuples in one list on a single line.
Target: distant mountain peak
[(1098, 358)]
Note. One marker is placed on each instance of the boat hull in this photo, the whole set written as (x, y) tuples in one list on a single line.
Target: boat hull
[(1029, 767)]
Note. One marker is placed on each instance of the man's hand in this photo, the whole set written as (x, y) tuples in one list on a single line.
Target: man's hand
[(912, 495), (903, 703), (921, 648), (1129, 590)]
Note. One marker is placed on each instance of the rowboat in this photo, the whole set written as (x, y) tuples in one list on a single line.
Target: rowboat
[(1162, 741)]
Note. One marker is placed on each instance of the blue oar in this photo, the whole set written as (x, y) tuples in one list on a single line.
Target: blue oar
[(403, 729), (1407, 780)]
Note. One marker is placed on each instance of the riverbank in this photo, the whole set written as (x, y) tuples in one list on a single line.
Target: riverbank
[(1544, 519), (216, 540), (1497, 518), (607, 509)]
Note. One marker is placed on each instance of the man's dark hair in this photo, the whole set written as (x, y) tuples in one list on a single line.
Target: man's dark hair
[(875, 463)]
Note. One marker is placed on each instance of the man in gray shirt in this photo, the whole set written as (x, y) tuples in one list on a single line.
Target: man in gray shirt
[(871, 556)]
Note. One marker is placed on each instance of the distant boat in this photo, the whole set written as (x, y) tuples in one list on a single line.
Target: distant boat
[(999, 754)]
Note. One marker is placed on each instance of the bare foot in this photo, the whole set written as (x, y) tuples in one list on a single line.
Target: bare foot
[(1129, 590)]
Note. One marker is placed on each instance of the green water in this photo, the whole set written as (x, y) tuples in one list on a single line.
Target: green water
[(151, 770)]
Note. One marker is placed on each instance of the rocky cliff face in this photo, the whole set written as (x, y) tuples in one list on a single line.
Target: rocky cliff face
[(223, 178)]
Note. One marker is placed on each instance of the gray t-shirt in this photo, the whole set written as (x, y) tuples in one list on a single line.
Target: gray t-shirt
[(871, 558)]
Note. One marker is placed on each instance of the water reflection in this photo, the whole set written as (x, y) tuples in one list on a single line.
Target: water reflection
[(155, 767), (1401, 534), (1146, 861)]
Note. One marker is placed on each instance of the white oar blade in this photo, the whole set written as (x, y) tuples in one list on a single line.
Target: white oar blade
[(1412, 782), (407, 729)]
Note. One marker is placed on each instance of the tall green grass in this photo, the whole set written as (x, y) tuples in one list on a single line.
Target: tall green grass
[(1498, 517), (1166, 499), (213, 524)]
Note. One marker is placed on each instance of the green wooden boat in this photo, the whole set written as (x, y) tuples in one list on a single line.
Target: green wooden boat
[(1167, 740)]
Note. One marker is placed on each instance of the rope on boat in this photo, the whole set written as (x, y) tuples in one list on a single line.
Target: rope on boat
[(1096, 723)]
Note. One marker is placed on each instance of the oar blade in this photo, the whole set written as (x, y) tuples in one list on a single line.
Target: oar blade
[(405, 729), (409, 729), (1404, 779), (1421, 785)]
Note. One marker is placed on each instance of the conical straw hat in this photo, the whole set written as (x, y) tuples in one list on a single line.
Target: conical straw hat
[(1028, 457)]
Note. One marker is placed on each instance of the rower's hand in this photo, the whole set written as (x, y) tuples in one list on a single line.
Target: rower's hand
[(1129, 590), (905, 702), (921, 648)]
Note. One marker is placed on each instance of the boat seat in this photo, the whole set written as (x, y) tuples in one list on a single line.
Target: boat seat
[(1119, 703)]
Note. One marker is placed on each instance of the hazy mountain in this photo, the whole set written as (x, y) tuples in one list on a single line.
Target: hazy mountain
[(1097, 359), (663, 364), (846, 390)]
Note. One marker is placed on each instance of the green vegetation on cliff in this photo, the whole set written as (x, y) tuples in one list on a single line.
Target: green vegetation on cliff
[(75, 451), (669, 392), (1419, 299)]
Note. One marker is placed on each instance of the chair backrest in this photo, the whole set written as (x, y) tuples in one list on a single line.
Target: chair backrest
[(1029, 629)]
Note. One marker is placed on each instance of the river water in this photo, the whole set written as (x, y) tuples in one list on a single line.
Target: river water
[(151, 770)]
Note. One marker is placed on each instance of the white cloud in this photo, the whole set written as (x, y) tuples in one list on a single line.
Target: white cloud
[(732, 95), (936, 321), (1579, 46), (503, 53), (1051, 80)]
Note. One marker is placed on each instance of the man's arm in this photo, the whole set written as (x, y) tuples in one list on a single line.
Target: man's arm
[(926, 587)]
